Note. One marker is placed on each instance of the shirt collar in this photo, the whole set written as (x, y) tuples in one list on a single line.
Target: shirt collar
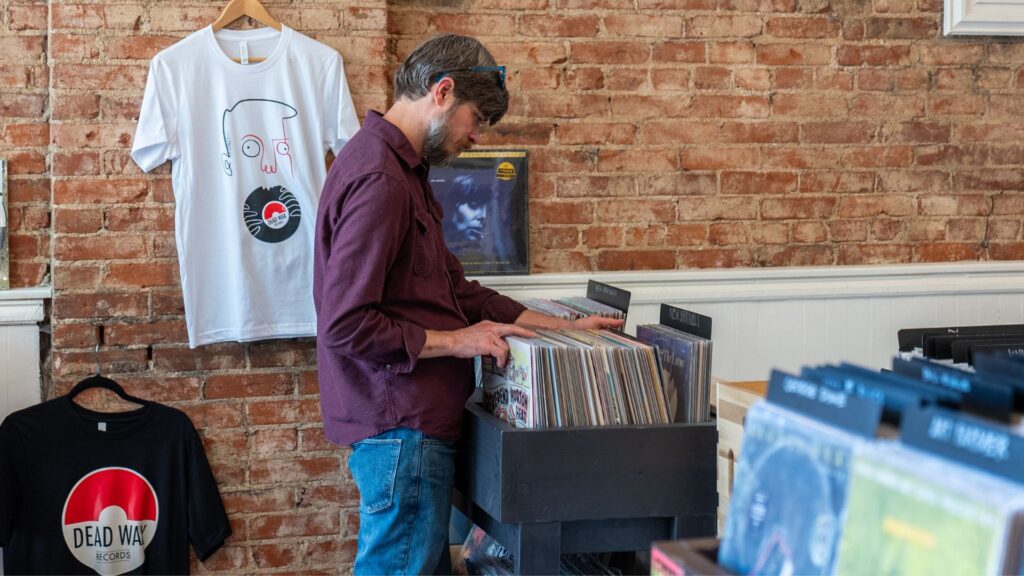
[(394, 137)]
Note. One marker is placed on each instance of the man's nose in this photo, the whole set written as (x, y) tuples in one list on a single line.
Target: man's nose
[(268, 167)]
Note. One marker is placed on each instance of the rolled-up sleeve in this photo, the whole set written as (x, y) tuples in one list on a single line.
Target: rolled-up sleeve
[(479, 302), (360, 238)]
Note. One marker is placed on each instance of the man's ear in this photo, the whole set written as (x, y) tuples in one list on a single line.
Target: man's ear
[(443, 92)]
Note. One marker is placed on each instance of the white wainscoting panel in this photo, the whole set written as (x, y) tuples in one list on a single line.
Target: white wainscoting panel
[(785, 318), (21, 310)]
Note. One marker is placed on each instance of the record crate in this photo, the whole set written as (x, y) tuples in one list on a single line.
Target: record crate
[(545, 492)]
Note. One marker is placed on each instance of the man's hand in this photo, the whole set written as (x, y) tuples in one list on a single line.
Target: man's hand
[(482, 339), (596, 323)]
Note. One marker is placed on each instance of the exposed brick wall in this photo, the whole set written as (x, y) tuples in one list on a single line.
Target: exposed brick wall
[(664, 134), (721, 133)]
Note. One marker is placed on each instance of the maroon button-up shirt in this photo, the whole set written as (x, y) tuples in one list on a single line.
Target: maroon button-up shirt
[(382, 276)]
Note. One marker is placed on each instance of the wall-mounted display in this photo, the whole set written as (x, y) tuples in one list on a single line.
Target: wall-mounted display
[(484, 195)]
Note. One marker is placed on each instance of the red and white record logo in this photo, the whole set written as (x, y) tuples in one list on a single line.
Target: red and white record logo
[(109, 518)]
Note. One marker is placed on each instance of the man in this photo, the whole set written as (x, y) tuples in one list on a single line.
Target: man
[(398, 323)]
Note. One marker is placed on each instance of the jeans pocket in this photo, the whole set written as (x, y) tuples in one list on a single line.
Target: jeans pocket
[(374, 467)]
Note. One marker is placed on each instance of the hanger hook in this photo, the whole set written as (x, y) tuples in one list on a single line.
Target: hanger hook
[(97, 358)]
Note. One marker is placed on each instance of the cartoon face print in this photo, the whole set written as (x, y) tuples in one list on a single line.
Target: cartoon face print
[(248, 148)]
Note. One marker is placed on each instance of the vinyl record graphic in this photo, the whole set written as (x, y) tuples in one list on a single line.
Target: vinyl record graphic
[(109, 518), (271, 214)]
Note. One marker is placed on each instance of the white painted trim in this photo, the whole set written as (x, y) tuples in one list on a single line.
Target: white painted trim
[(786, 318), (23, 305), (761, 284), (983, 17)]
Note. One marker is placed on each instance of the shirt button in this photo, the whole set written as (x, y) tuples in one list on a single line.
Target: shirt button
[(387, 366)]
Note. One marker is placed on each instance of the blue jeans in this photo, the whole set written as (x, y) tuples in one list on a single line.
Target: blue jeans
[(405, 481)]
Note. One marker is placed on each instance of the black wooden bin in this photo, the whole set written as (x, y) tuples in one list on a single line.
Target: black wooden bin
[(541, 493)]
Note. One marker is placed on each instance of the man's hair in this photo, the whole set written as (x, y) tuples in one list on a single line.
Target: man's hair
[(451, 54)]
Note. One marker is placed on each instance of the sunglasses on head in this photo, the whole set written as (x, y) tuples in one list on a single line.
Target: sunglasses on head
[(499, 69)]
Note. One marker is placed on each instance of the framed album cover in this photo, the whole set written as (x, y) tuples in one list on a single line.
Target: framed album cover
[(484, 196)]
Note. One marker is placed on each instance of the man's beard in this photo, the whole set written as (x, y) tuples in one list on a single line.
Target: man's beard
[(437, 134)]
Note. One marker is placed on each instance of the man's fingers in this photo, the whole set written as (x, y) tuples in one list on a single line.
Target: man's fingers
[(513, 330)]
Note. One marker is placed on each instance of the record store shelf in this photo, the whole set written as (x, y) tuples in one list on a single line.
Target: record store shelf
[(544, 492)]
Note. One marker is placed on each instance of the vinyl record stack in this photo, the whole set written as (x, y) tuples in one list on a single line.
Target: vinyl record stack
[(572, 308), (576, 378)]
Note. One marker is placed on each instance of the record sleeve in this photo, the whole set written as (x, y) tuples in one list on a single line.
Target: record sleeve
[(484, 197)]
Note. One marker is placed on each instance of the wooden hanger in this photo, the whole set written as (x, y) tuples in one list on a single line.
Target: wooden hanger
[(251, 8)]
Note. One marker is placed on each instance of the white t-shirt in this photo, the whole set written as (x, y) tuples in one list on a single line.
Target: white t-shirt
[(247, 143)]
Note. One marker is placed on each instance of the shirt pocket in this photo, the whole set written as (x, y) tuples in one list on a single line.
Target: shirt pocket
[(425, 254)]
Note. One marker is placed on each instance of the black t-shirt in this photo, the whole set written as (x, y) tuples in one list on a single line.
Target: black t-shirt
[(112, 493)]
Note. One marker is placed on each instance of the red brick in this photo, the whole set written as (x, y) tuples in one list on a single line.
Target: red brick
[(22, 105), (644, 210), (100, 305), (759, 132), (919, 28), (25, 162), (77, 220), (561, 212), (838, 132), (879, 156), (308, 383), (875, 206), (809, 104), (67, 335), (798, 256), (872, 79), (802, 27), (960, 105), (633, 25), (602, 237), (633, 160), (353, 18), (693, 209), (989, 180), (71, 136), (797, 208), (274, 555), (584, 78), (516, 53), (74, 47), (679, 184), (724, 26), (93, 191), (144, 334), (26, 246), (625, 79), (912, 181), (753, 79), (595, 133), (886, 229), (873, 254), (76, 164), (1000, 229), (720, 158), (727, 233), (655, 133), (274, 441), (810, 232), (715, 258), (292, 525), (211, 357), (568, 106), (946, 252), (100, 76), (284, 411), (558, 26), (1006, 251), (293, 470), (331, 495), (331, 554), (767, 233), (287, 354), (76, 106), (110, 360), (248, 386), (793, 54), (27, 16), (837, 181), (686, 234), (555, 238), (680, 52), (25, 135), (80, 277), (740, 52), (793, 78), (22, 49), (216, 415), (966, 229), (162, 388), (105, 247), (609, 52), (229, 559), (645, 236), (855, 55), (912, 79), (636, 260), (759, 183), (712, 78)]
